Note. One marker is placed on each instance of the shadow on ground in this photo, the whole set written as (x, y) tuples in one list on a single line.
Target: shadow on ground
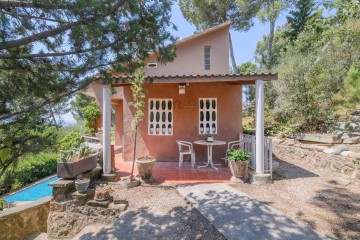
[(179, 223), (239, 217), (345, 205), (288, 170)]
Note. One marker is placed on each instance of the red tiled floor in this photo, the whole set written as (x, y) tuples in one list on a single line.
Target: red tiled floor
[(171, 173)]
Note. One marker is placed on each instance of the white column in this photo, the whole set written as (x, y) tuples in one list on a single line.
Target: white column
[(106, 129), (259, 126)]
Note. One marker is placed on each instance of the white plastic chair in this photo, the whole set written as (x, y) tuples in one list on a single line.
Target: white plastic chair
[(186, 148)]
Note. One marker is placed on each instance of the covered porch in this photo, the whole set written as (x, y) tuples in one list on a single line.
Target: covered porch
[(169, 172)]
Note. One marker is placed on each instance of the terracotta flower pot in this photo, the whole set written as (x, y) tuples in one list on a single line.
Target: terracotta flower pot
[(145, 166), (238, 168), (101, 194)]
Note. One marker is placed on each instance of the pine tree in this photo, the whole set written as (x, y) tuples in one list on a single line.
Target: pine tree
[(297, 19)]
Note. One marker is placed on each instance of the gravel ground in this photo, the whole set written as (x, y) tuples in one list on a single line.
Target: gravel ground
[(314, 197), (154, 213)]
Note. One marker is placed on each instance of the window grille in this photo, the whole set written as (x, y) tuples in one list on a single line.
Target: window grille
[(207, 58), (207, 115), (160, 116)]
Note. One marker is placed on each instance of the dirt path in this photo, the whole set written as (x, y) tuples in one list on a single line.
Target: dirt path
[(313, 197)]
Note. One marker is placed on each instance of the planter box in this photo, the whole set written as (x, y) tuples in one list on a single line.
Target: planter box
[(329, 139), (72, 169)]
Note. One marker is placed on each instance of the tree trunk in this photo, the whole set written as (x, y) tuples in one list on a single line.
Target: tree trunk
[(233, 62), (134, 154), (270, 43)]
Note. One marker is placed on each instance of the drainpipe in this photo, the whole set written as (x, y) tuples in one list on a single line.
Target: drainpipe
[(106, 129), (259, 126)]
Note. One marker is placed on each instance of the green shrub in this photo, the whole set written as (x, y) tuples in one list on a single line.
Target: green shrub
[(238, 155), (29, 169), (71, 141)]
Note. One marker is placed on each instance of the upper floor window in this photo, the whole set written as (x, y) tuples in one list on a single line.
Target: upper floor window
[(207, 57), (160, 116)]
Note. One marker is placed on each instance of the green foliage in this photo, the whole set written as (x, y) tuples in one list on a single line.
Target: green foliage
[(138, 103), (91, 114), (282, 131), (247, 67), (209, 13), (50, 50), (297, 20), (238, 155), (74, 155), (138, 94), (81, 100), (2, 203), (71, 141), (30, 168), (84, 108), (309, 80)]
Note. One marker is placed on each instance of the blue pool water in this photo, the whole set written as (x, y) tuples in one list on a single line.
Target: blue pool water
[(33, 193)]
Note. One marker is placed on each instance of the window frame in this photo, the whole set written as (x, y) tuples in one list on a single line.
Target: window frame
[(161, 111), (207, 58), (211, 109)]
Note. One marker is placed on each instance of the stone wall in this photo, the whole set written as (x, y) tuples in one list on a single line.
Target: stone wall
[(312, 154), (23, 221)]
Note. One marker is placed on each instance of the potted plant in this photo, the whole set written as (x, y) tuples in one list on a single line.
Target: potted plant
[(82, 184), (145, 166), (238, 161), (209, 137), (73, 163)]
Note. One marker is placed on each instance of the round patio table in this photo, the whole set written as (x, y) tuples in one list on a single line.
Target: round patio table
[(209, 151)]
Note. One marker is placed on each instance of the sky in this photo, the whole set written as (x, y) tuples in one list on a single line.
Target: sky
[(244, 43)]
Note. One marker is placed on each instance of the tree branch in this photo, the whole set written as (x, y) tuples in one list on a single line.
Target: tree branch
[(56, 54), (32, 4), (17, 15), (55, 31)]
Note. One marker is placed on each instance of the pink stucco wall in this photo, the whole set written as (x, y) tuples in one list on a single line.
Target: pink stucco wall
[(190, 56), (185, 120)]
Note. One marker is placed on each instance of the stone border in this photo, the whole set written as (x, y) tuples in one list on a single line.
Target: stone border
[(27, 186), (27, 206)]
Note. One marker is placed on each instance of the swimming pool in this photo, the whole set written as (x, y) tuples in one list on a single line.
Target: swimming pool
[(34, 192)]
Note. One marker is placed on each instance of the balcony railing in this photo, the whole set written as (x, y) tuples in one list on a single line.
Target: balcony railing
[(249, 145)]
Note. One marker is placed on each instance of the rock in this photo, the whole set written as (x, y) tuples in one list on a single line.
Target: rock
[(341, 181), (320, 148), (345, 153), (121, 207), (355, 156), (339, 149), (355, 112), (120, 200), (94, 203), (352, 140), (329, 150)]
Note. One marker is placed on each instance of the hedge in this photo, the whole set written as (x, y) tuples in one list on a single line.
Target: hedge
[(30, 169)]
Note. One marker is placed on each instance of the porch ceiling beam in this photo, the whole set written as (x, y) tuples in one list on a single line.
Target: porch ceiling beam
[(236, 79)]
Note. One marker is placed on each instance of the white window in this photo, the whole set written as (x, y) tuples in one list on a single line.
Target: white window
[(207, 58), (160, 116), (152, 65), (207, 115)]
